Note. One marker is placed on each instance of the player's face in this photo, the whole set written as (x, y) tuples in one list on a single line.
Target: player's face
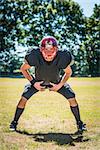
[(49, 52)]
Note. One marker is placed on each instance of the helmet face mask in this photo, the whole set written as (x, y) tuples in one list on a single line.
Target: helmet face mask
[(48, 48)]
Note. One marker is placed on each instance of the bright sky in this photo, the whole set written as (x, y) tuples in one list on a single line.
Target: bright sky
[(87, 6)]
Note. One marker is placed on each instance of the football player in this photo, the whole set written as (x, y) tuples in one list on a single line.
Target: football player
[(48, 61)]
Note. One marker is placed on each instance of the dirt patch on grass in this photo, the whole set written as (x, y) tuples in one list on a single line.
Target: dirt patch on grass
[(14, 138)]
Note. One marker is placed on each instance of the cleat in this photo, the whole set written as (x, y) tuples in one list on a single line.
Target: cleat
[(81, 128), (13, 126)]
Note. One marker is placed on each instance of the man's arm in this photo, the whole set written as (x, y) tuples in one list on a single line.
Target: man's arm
[(24, 69), (68, 73)]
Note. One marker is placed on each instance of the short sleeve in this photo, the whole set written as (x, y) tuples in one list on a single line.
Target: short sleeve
[(65, 59), (31, 57)]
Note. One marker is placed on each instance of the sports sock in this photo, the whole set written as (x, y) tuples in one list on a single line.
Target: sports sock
[(18, 113), (76, 113)]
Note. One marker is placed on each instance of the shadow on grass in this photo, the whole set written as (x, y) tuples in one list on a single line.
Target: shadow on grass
[(58, 138)]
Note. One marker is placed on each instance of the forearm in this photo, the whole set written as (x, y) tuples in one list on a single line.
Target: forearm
[(65, 77), (26, 74), (56, 87)]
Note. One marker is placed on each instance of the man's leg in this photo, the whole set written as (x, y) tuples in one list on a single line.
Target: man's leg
[(19, 110), (67, 92), (75, 110), (29, 90)]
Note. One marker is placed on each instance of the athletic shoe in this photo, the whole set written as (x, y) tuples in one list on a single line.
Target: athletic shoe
[(81, 127), (13, 126)]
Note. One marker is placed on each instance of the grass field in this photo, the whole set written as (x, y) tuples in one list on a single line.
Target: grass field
[(47, 121)]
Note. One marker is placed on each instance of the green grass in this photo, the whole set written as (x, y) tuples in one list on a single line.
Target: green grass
[(47, 121)]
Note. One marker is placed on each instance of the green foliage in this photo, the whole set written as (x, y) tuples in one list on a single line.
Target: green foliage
[(26, 22), (91, 44)]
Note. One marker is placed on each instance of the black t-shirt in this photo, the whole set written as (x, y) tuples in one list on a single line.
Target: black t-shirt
[(48, 71)]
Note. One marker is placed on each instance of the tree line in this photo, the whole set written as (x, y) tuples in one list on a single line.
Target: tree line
[(26, 22)]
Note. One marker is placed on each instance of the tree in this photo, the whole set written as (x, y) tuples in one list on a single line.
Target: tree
[(26, 22), (11, 15), (91, 43), (8, 35)]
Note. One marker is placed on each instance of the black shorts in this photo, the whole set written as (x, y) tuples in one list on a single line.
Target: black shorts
[(66, 91)]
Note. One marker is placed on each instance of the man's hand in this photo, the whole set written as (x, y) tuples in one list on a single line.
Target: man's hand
[(38, 86), (65, 77), (55, 87)]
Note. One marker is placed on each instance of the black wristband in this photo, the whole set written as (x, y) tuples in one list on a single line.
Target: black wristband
[(33, 81)]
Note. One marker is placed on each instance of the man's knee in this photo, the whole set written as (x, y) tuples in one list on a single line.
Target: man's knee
[(22, 102), (72, 102)]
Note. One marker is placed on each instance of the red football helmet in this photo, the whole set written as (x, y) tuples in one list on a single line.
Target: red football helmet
[(49, 48)]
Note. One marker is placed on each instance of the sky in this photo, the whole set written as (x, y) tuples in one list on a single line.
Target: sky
[(87, 6)]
